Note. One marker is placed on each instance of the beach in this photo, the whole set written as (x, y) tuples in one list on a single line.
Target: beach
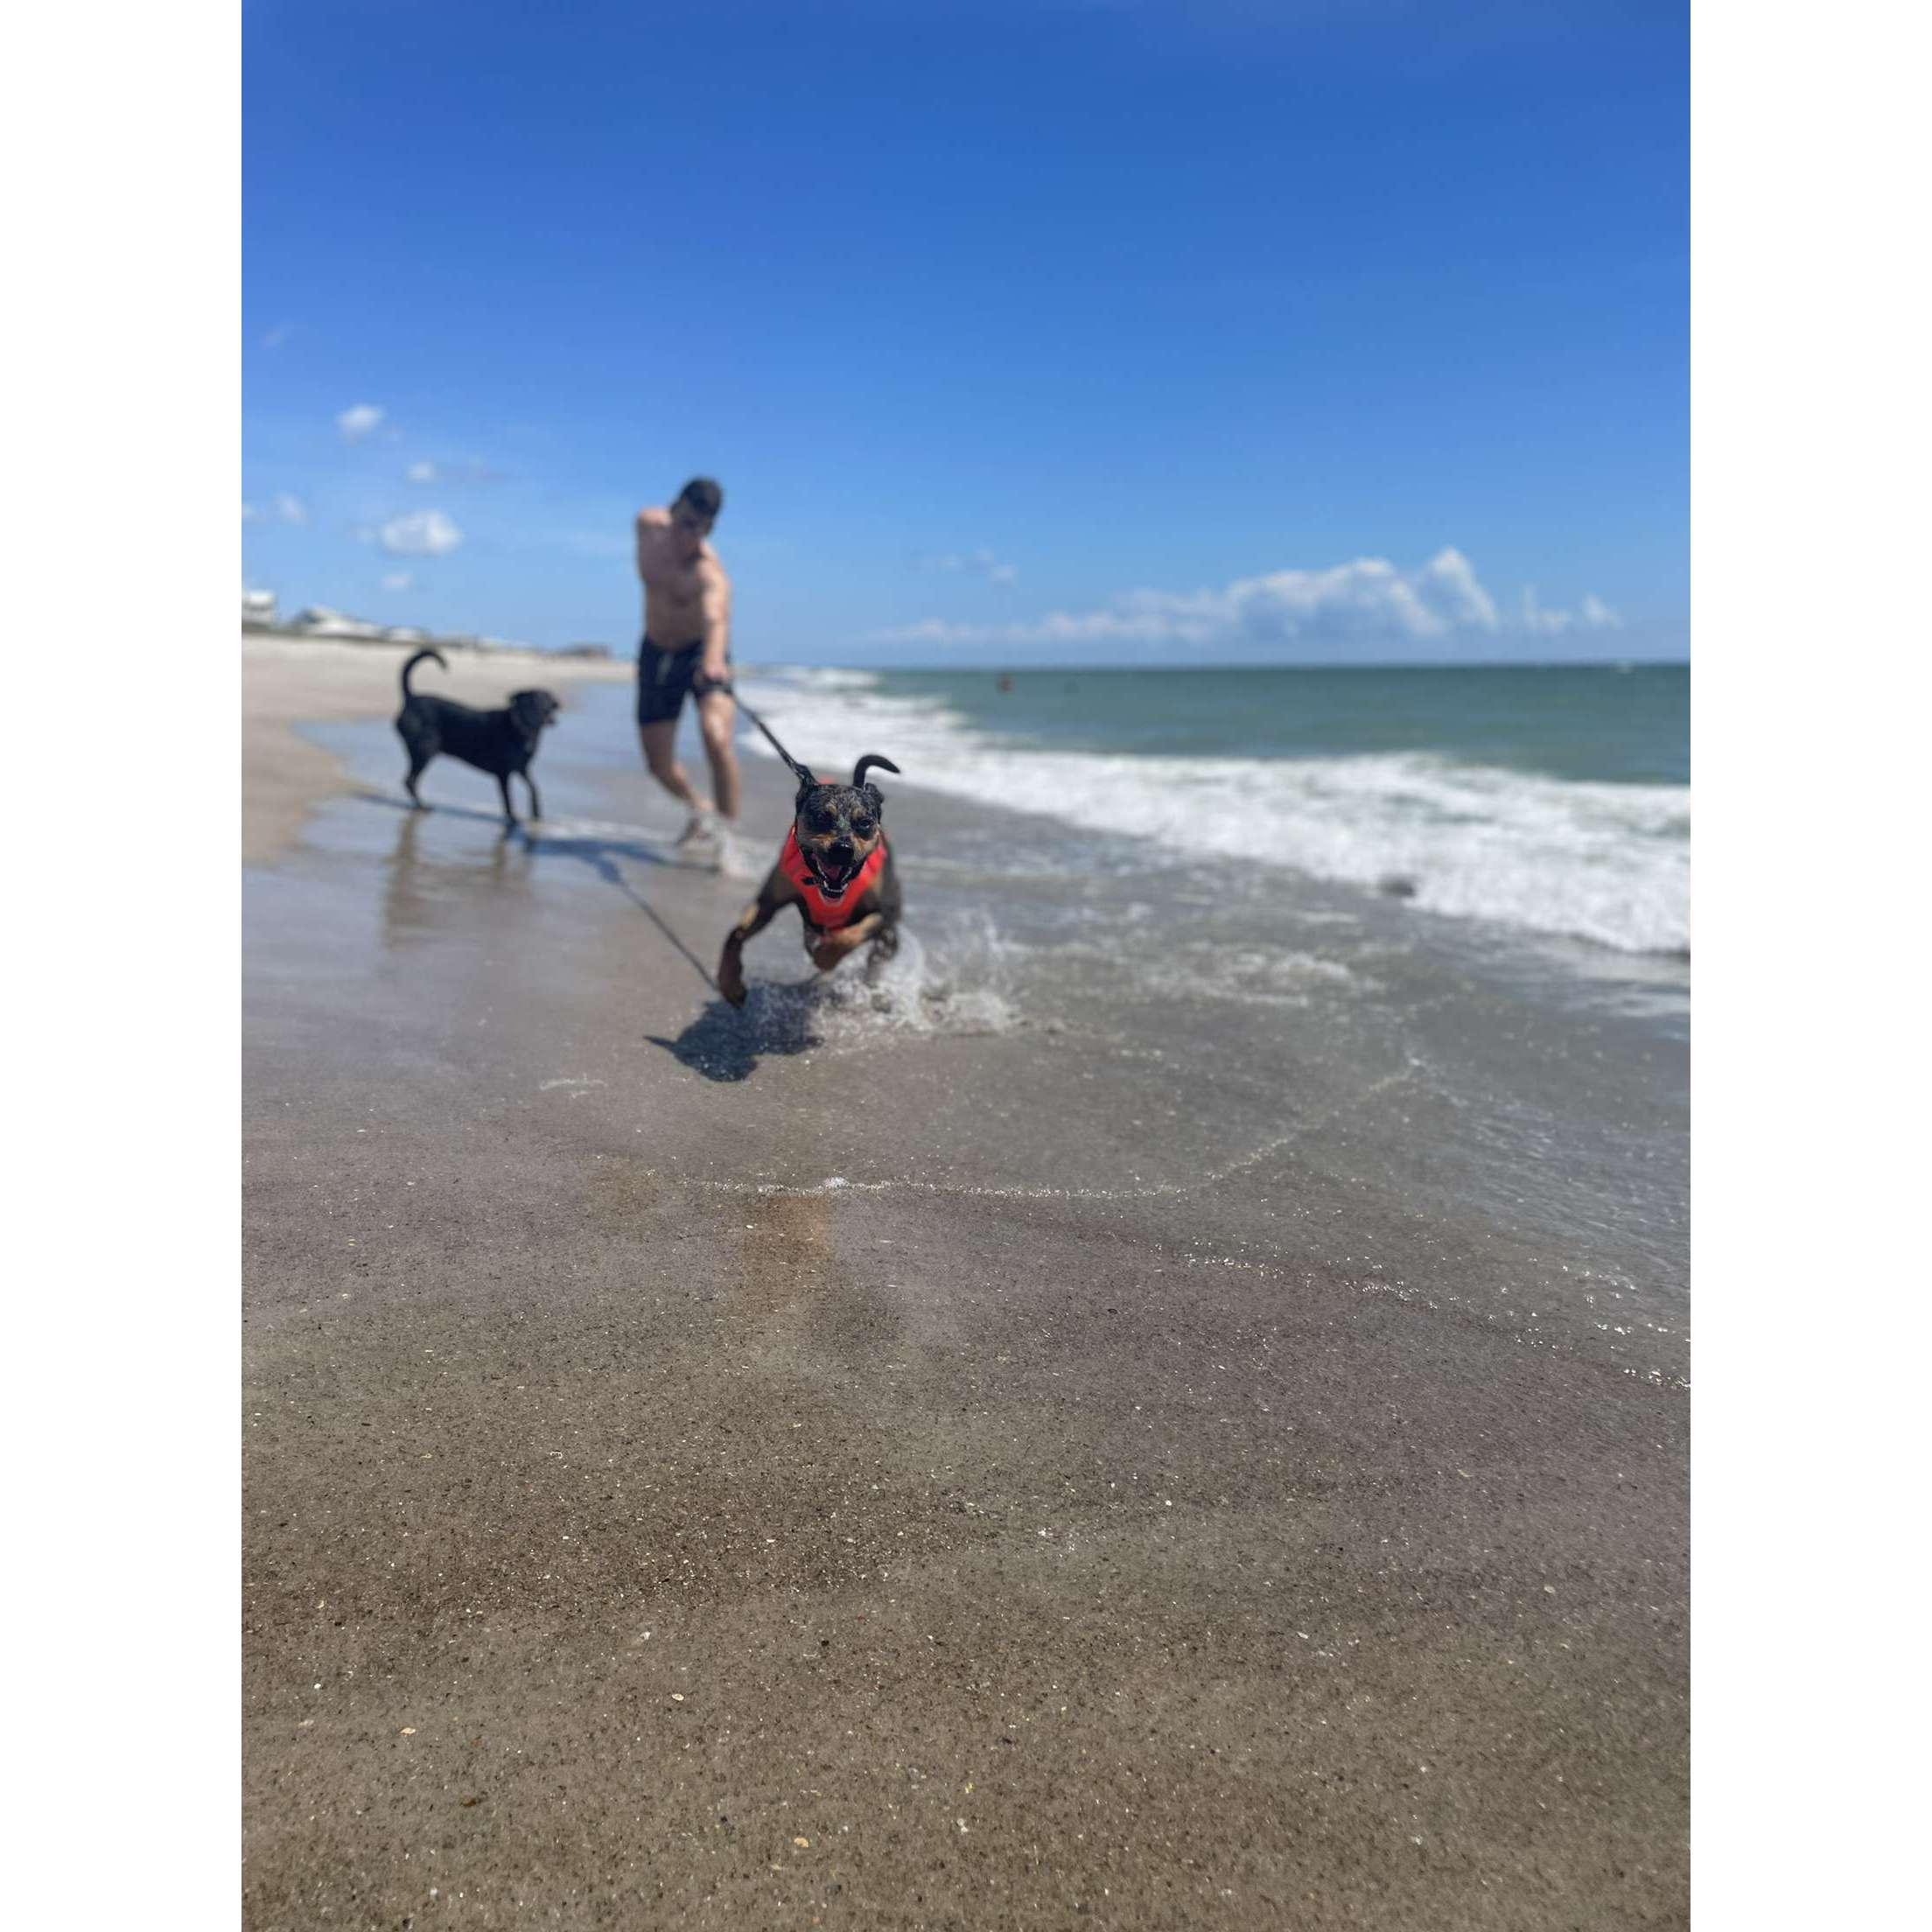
[(1172, 1410)]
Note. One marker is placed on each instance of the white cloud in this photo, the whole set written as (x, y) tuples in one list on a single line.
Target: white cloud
[(358, 421), (977, 563), (471, 470), (290, 509), (1453, 585), (422, 533), (1369, 602), (1593, 614), (398, 580), (249, 513)]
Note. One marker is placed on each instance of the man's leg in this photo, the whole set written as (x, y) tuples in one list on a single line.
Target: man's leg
[(660, 753), (716, 714)]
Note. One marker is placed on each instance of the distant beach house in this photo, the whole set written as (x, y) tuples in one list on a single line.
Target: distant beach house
[(319, 621), (257, 610)]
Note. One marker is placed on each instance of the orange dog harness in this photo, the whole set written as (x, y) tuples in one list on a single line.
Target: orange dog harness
[(829, 914)]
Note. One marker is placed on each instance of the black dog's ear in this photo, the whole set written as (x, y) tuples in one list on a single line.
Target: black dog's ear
[(865, 765)]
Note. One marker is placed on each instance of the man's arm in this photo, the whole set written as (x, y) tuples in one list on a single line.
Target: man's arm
[(650, 525), (714, 602)]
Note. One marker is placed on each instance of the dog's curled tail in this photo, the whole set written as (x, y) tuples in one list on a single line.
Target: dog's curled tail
[(866, 763), (412, 665)]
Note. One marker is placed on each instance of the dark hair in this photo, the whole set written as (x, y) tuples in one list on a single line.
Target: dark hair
[(703, 496)]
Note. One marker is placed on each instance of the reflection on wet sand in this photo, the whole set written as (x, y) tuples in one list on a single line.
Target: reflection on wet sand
[(787, 1253), (417, 892)]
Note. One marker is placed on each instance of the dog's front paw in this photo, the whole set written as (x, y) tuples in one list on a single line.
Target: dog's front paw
[(731, 981)]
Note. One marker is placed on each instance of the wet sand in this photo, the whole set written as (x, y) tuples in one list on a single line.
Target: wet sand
[(702, 1473)]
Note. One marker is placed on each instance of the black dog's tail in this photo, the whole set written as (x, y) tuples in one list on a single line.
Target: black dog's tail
[(412, 665), (866, 763)]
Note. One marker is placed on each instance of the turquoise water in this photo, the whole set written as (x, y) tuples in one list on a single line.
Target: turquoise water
[(1609, 724)]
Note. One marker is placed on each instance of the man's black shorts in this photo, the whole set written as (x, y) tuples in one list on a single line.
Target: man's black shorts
[(664, 679)]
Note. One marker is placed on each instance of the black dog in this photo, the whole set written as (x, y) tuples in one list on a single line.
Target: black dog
[(496, 742), (837, 868)]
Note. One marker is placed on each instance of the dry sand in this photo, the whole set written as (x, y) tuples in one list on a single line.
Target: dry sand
[(695, 1477)]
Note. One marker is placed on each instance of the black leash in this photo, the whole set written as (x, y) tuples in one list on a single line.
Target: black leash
[(697, 965), (605, 867), (698, 688)]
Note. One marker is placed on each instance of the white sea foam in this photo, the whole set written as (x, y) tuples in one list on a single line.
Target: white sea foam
[(958, 985), (1603, 862)]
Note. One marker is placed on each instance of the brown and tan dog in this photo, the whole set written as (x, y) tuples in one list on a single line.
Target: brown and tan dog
[(837, 868)]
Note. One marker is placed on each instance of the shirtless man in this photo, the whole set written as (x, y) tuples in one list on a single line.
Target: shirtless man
[(686, 646)]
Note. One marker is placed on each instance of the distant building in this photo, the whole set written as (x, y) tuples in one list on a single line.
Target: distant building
[(404, 634), (319, 621), (257, 610), (585, 650)]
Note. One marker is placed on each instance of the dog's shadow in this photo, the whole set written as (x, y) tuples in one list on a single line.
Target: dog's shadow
[(725, 1043)]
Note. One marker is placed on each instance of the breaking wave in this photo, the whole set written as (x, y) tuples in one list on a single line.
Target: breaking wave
[(1609, 862)]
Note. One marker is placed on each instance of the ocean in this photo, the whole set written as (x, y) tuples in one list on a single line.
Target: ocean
[(1553, 800)]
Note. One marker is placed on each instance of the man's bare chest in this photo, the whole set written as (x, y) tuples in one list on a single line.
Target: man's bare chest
[(672, 577)]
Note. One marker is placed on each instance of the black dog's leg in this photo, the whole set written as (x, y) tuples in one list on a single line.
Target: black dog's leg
[(418, 765), (503, 786), (536, 808)]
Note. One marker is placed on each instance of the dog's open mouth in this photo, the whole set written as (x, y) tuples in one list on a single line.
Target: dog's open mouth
[(833, 875)]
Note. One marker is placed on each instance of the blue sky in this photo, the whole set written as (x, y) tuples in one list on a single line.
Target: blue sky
[(1016, 330)]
